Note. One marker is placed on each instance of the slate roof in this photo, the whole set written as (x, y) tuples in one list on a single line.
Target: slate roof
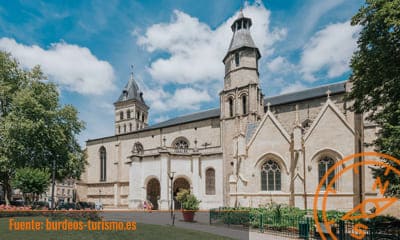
[(251, 128), (316, 92), (131, 91), (211, 113)]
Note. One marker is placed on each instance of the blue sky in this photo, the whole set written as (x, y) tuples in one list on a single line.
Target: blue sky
[(176, 48)]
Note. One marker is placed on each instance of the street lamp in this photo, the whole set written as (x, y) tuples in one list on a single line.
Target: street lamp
[(171, 177), (53, 183)]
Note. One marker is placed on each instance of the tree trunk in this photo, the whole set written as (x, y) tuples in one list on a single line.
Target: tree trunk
[(7, 192)]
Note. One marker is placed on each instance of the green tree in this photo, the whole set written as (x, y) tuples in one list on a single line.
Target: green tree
[(376, 77), (32, 182), (34, 128)]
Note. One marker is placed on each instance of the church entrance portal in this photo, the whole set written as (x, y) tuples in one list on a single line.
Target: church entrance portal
[(153, 192), (179, 183)]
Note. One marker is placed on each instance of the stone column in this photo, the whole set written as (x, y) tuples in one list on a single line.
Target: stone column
[(164, 180), (116, 194), (135, 184), (196, 175)]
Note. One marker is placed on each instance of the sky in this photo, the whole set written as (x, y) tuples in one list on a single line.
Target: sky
[(176, 49)]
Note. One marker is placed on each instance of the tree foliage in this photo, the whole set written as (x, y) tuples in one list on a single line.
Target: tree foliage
[(32, 182), (34, 128), (376, 77)]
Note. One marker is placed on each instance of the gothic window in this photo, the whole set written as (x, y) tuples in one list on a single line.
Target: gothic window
[(138, 148), (130, 127), (137, 114), (244, 104), (142, 117), (103, 161), (181, 145), (128, 114), (324, 164), (121, 115), (270, 176), (124, 128), (210, 181), (119, 129), (237, 60), (230, 107)]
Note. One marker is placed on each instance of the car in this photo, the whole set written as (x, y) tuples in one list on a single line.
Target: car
[(67, 206), (86, 205)]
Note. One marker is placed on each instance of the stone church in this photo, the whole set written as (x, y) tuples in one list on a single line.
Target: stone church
[(250, 151)]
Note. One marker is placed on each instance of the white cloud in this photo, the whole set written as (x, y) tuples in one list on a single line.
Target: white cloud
[(280, 65), (293, 87), (329, 50), (195, 50), (182, 99), (71, 66)]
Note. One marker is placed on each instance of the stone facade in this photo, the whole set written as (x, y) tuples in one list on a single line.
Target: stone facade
[(249, 152)]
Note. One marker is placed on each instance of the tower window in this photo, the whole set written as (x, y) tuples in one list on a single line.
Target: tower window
[(244, 104), (137, 114), (230, 107), (119, 129), (130, 127), (121, 115), (237, 60), (128, 114), (124, 128)]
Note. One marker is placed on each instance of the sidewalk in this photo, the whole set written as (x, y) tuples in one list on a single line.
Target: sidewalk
[(201, 224)]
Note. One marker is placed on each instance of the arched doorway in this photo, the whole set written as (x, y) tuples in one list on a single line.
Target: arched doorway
[(179, 183), (153, 192)]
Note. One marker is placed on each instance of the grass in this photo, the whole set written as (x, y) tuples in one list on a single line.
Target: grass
[(143, 231)]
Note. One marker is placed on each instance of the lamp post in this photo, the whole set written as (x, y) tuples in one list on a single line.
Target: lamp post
[(171, 177), (53, 183)]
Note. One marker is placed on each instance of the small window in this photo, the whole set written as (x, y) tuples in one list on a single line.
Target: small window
[(130, 127), (119, 129), (323, 166), (128, 114), (237, 60), (137, 115), (142, 117), (230, 107), (121, 115), (210, 181), (244, 104), (138, 148), (124, 128), (181, 145)]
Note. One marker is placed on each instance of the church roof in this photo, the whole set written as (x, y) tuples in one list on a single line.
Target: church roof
[(316, 92), (131, 91), (211, 113)]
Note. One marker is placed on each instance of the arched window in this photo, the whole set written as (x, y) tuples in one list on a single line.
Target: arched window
[(124, 128), (324, 164), (128, 114), (244, 104), (119, 129), (230, 107), (237, 60), (142, 117), (138, 148), (121, 115), (130, 127), (270, 176), (137, 114), (181, 145), (103, 164), (210, 181)]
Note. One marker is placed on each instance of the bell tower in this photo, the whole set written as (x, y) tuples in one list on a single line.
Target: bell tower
[(241, 103), (241, 96), (131, 112)]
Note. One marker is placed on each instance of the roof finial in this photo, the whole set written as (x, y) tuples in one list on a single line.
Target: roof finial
[(269, 107), (328, 94), (297, 121)]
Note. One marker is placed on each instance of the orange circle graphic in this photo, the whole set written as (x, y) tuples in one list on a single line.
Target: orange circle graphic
[(329, 189)]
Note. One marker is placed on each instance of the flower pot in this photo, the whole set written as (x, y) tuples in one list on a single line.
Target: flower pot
[(188, 215)]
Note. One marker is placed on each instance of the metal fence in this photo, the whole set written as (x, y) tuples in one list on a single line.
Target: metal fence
[(302, 227)]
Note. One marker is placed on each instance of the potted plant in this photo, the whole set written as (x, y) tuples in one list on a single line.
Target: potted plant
[(189, 203)]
